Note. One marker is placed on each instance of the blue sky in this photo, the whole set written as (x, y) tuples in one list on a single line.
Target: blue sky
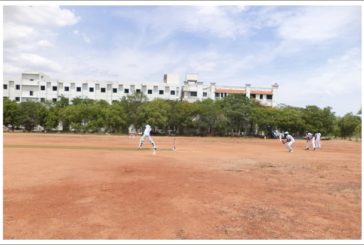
[(312, 52)]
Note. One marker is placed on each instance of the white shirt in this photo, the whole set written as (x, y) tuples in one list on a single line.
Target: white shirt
[(147, 130), (289, 138), (309, 136), (317, 136)]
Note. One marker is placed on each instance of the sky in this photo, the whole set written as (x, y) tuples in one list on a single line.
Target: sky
[(312, 52)]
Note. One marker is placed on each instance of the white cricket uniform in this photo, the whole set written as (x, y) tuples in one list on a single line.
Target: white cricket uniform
[(310, 141), (318, 140), (132, 131), (290, 142), (147, 134)]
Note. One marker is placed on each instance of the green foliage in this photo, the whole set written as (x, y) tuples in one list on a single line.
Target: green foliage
[(131, 103), (185, 116), (31, 114), (238, 111), (116, 118), (232, 115), (316, 119), (291, 119), (11, 113), (349, 124), (154, 113)]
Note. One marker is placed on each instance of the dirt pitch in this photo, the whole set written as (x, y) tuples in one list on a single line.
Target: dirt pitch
[(101, 187)]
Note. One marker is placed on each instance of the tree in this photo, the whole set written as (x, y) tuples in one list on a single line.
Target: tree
[(52, 119), (266, 118), (30, 114), (238, 108), (348, 124), (115, 118), (131, 103), (317, 119), (10, 113), (210, 118), (185, 117), (290, 119), (154, 113)]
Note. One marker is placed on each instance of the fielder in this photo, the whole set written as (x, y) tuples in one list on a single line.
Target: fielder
[(287, 138), (310, 141), (132, 131), (147, 134), (318, 140)]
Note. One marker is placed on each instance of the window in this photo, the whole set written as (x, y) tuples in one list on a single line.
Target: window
[(31, 93), (5, 86), (17, 87), (91, 89), (161, 92), (103, 90), (66, 88), (217, 94), (204, 94), (17, 98), (54, 99), (114, 90), (31, 79), (126, 90), (42, 87), (193, 94), (252, 96), (173, 92), (150, 91), (269, 96), (54, 88), (261, 96), (78, 89), (41, 77), (138, 91), (42, 99)]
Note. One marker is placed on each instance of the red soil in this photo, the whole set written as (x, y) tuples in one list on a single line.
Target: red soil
[(209, 188)]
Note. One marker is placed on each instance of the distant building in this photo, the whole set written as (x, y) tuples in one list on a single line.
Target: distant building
[(37, 86)]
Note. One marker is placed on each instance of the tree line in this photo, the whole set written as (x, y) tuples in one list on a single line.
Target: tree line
[(231, 116)]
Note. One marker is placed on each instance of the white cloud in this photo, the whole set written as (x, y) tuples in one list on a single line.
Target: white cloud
[(337, 83), (83, 36), (315, 24), (15, 32), (339, 76), (31, 61), (217, 21), (29, 32), (40, 15), (45, 44)]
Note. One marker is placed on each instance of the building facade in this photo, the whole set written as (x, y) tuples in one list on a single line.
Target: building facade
[(38, 87)]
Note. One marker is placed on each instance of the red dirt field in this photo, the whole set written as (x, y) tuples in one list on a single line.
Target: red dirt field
[(101, 187)]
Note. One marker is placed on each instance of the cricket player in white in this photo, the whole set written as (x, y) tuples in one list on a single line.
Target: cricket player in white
[(146, 133), (310, 141), (287, 138), (318, 140), (132, 131)]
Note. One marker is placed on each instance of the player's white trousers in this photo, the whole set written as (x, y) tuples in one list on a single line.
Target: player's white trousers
[(310, 143), (150, 140), (317, 143), (289, 145)]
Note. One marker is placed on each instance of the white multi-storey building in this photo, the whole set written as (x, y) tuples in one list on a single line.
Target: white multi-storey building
[(36, 86)]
